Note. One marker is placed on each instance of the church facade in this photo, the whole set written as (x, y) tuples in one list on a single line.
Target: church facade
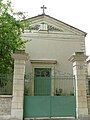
[(52, 43)]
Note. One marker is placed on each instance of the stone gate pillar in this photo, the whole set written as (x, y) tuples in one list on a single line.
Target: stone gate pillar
[(79, 70), (18, 84)]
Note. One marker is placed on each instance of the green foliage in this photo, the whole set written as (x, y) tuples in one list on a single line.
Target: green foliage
[(10, 31)]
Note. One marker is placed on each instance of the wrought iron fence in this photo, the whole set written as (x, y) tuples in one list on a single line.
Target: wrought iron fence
[(53, 86), (6, 81)]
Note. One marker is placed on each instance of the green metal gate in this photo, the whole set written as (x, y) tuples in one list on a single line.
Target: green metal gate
[(58, 101), (49, 106)]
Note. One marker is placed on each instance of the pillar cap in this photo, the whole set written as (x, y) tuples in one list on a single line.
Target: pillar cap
[(20, 55), (78, 56)]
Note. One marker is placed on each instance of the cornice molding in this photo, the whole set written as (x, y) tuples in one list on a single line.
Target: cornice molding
[(44, 61)]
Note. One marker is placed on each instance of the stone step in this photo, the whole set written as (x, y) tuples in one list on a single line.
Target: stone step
[(52, 119), (85, 118)]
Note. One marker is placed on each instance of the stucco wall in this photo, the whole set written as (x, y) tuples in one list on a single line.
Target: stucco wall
[(5, 105), (58, 46)]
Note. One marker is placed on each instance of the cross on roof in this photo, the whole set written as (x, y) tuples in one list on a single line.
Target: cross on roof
[(43, 7)]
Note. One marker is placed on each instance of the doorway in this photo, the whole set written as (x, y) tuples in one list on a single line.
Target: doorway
[(42, 81)]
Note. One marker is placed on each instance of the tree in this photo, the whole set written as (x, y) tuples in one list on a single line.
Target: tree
[(10, 40)]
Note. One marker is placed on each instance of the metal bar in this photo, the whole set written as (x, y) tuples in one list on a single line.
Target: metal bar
[(63, 86)]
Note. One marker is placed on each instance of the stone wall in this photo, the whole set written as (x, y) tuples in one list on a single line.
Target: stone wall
[(5, 104), (88, 102)]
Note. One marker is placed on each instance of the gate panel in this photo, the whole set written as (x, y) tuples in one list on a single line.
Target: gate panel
[(36, 106), (63, 106)]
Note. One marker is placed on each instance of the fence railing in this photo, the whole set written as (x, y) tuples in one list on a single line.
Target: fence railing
[(50, 86), (6, 84)]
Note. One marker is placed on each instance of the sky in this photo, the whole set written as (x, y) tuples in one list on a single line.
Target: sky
[(73, 12)]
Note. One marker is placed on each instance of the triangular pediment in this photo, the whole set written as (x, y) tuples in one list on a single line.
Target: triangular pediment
[(46, 23)]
